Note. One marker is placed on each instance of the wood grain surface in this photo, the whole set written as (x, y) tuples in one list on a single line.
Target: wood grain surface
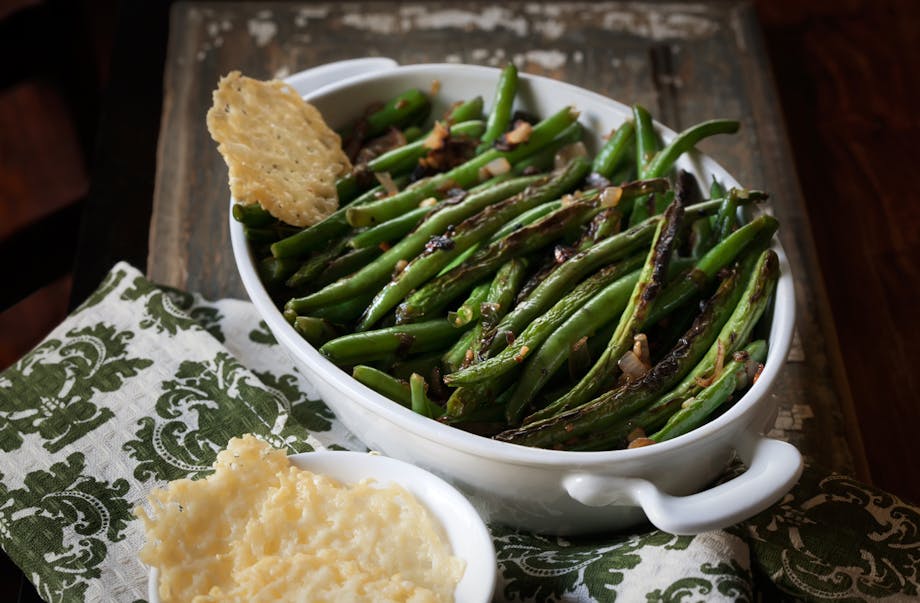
[(686, 62), (847, 75)]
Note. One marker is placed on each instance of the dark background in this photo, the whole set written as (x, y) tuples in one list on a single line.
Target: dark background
[(847, 76)]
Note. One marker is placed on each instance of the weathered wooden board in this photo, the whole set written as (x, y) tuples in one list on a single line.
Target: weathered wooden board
[(686, 62)]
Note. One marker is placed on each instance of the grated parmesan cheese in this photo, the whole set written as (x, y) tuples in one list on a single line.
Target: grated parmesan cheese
[(260, 529)]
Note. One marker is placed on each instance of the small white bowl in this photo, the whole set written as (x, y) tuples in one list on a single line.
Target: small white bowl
[(469, 539), (551, 491)]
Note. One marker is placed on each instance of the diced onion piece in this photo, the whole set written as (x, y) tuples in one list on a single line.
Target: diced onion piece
[(568, 200), (496, 167), (429, 202), (610, 196), (635, 434), (519, 357), (631, 366), (401, 265), (386, 181), (568, 153), (436, 138), (520, 133), (640, 442), (435, 86), (717, 369), (640, 349)]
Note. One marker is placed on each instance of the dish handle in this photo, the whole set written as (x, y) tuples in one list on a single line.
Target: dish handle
[(774, 467)]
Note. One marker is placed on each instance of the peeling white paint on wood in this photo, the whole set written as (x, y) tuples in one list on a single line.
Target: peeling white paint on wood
[(660, 24), (382, 23), (305, 13), (262, 30), (547, 59), (489, 19)]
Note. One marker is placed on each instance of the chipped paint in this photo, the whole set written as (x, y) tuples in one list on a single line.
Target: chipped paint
[(790, 419), (657, 22), (489, 19), (547, 59), (262, 30), (660, 24), (551, 30), (382, 23), (305, 13)]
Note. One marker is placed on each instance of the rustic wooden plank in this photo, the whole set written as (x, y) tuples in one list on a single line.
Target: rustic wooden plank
[(687, 62)]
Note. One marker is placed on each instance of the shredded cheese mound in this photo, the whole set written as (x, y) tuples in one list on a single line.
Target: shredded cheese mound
[(260, 529)]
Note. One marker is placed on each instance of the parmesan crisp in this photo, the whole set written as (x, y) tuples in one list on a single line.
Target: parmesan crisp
[(260, 529), (280, 152)]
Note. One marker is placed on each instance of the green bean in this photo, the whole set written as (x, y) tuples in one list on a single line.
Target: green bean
[(315, 330), (520, 221), (397, 113), (468, 398), (647, 289), (536, 333), (344, 312), (419, 400), (397, 227), (675, 294), (500, 115), (716, 190), (545, 158), (266, 234), (573, 270), (469, 311), (646, 138), (454, 357), (442, 250), (737, 330), (390, 230), (503, 289), (695, 411), (413, 133), (431, 298), (617, 405), (383, 384), (312, 268), (685, 141), (252, 214), (658, 165), (423, 364), (316, 236), (464, 111), (375, 274), (464, 175), (405, 158), (274, 271), (346, 264), (727, 219), (610, 155), (609, 302), (356, 348), (702, 236)]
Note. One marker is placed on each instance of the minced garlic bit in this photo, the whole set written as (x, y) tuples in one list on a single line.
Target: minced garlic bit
[(260, 529)]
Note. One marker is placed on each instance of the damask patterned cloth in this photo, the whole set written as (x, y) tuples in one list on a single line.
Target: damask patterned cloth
[(144, 384)]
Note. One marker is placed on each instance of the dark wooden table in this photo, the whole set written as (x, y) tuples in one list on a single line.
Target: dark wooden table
[(686, 62)]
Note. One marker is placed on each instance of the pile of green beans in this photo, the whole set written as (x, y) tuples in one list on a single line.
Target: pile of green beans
[(528, 291)]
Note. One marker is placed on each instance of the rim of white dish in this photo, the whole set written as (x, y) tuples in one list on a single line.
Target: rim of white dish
[(780, 337)]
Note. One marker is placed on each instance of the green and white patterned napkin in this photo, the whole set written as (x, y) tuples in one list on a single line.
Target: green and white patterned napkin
[(144, 384)]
